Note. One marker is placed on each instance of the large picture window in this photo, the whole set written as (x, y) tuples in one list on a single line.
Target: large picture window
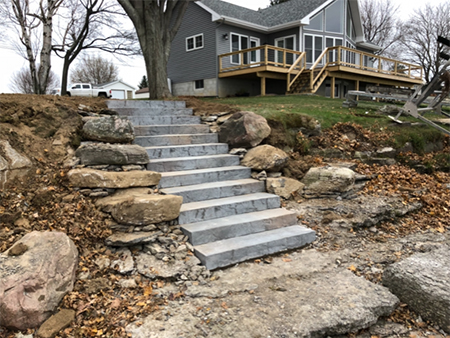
[(194, 42), (334, 17), (239, 42), (316, 23)]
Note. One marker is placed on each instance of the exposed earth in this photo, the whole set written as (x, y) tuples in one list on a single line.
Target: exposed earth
[(259, 298)]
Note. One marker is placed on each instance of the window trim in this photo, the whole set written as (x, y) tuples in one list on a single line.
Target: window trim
[(193, 37), (239, 47), (314, 46), (343, 23), (322, 13)]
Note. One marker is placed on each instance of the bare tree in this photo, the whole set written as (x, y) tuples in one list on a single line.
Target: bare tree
[(92, 24), (94, 69), (421, 33), (22, 82), (156, 24), (381, 25), (34, 23)]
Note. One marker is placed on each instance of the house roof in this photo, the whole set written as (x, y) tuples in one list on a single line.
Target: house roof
[(108, 84), (290, 11)]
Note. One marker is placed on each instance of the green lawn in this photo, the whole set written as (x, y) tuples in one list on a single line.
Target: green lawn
[(330, 111)]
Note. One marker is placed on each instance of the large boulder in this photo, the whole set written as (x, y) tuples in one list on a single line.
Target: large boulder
[(244, 130), (135, 207), (328, 181), (109, 129), (35, 274), (90, 178), (422, 281), (265, 157), (118, 154), (284, 187)]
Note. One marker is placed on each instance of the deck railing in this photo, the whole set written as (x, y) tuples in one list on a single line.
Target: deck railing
[(265, 55), (294, 62)]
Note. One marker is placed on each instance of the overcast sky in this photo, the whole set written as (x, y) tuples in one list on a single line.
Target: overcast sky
[(131, 71)]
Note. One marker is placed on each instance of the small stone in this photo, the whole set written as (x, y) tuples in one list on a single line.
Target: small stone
[(99, 194), (56, 323), (126, 263), (155, 249), (131, 167), (262, 176), (94, 286), (238, 151), (103, 262), (211, 118), (127, 283), (86, 192), (149, 227), (274, 175)]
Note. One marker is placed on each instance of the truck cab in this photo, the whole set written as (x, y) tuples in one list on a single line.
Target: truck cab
[(86, 89)]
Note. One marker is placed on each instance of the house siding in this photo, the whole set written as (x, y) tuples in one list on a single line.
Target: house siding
[(184, 66), (293, 31)]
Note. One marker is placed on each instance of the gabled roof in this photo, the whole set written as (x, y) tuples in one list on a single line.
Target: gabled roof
[(103, 85), (270, 17)]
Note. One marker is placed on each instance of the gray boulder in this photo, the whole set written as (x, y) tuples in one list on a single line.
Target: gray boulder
[(284, 187), (422, 281), (110, 129), (265, 157), (328, 181), (118, 154), (35, 274), (10, 159), (91, 178), (244, 130)]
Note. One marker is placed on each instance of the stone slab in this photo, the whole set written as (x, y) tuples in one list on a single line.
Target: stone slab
[(90, 178), (213, 190), (154, 111), (186, 150), (163, 119), (199, 176), (231, 251), (105, 153), (144, 104), (177, 139), (237, 225), (422, 281), (171, 129), (193, 162), (223, 207)]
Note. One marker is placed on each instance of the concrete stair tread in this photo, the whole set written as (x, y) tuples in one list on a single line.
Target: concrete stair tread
[(175, 190), (227, 200), (199, 176), (180, 146), (238, 225), (230, 251), (187, 158), (172, 125)]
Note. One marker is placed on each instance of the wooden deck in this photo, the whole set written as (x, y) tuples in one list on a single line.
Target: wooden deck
[(335, 63)]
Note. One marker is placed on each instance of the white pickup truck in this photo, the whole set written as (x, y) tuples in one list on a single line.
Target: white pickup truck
[(86, 89)]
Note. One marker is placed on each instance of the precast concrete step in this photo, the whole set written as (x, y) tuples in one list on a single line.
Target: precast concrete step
[(174, 140), (200, 176), (137, 112), (214, 190), (238, 225), (234, 250), (222, 207), (160, 152), (171, 129), (162, 120), (144, 104), (192, 162)]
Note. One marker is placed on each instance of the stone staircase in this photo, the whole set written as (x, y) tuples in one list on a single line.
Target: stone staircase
[(228, 216)]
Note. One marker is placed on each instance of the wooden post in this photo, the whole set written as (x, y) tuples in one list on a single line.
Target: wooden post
[(266, 55), (357, 88), (333, 84), (263, 86)]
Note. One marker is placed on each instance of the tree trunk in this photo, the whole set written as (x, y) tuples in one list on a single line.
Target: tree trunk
[(47, 30), (156, 23)]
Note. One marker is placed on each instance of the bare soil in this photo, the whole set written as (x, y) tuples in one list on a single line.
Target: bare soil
[(46, 129)]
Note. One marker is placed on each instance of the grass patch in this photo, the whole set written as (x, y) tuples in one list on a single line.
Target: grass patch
[(290, 111)]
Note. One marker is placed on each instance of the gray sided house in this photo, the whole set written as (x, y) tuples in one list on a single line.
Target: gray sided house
[(299, 46)]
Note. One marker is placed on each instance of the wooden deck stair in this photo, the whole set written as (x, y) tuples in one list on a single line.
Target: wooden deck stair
[(303, 83), (228, 217)]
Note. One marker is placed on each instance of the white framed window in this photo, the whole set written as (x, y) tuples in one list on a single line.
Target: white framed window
[(287, 42), (333, 42), (194, 42), (313, 47), (334, 17), (239, 42), (255, 56), (316, 23)]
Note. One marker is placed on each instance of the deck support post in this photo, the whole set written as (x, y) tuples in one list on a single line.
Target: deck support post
[(263, 86), (357, 88), (332, 87)]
